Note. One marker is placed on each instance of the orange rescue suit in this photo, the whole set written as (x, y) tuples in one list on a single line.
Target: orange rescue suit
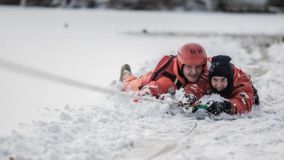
[(162, 84), (241, 97)]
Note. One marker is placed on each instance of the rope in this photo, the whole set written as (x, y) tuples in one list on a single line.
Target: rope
[(29, 71)]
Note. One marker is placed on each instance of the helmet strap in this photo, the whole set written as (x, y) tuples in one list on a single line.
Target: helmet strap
[(180, 71)]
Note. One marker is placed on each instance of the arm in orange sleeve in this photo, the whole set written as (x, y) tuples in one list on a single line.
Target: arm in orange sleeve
[(195, 90), (158, 87), (198, 89), (242, 98)]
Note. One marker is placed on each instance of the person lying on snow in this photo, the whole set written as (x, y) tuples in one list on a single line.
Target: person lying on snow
[(233, 84), (188, 69)]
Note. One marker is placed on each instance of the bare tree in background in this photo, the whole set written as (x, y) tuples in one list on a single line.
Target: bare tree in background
[(75, 3), (23, 2), (276, 6), (64, 3)]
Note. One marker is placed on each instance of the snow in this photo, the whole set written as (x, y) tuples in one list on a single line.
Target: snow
[(45, 120)]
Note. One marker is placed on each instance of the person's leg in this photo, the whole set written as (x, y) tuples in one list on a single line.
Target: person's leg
[(129, 81)]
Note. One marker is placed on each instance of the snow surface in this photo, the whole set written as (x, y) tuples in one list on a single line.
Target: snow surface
[(44, 120)]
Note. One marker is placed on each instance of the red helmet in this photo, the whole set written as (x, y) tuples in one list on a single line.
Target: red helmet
[(192, 54)]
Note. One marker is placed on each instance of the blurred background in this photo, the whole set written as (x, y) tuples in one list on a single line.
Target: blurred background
[(268, 6)]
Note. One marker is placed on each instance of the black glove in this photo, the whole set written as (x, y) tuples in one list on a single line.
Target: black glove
[(218, 107), (188, 102), (190, 98)]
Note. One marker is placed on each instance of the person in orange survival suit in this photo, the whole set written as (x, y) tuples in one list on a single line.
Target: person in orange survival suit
[(189, 66), (233, 84)]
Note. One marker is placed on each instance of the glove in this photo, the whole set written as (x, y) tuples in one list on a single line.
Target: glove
[(190, 98), (218, 107), (187, 101), (145, 91)]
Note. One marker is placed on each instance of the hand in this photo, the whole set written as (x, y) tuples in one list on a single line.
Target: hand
[(190, 98), (145, 91), (218, 107), (185, 105), (187, 101)]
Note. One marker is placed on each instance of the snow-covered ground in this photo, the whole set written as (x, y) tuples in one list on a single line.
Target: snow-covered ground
[(45, 120)]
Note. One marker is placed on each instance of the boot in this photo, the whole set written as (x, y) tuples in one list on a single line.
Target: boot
[(125, 69), (255, 96)]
